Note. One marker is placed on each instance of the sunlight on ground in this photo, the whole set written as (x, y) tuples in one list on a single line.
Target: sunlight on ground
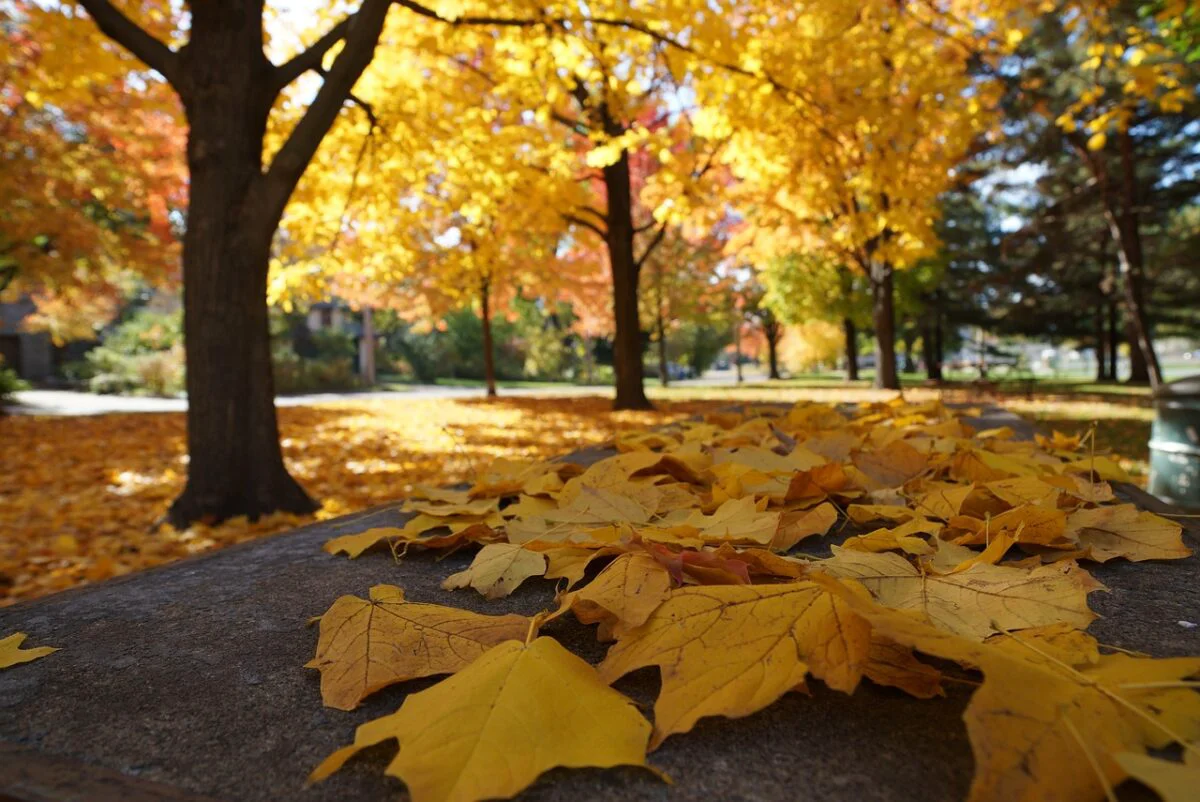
[(80, 496)]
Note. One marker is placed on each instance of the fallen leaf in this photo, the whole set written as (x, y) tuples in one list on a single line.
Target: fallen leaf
[(366, 645), (1173, 782), (796, 525), (1124, 531), (12, 654), (498, 569), (623, 595), (491, 729), (892, 465), (974, 603), (731, 650)]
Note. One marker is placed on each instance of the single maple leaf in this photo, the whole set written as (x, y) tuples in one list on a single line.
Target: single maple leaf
[(906, 537), (1124, 531), (498, 569), (796, 525), (1021, 490), (974, 603), (366, 645), (892, 465), (12, 654), (866, 513), (822, 481), (491, 729), (943, 502), (731, 650), (736, 521), (623, 595), (441, 509), (893, 665)]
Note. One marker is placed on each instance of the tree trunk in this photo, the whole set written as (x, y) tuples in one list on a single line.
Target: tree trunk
[(884, 314), (235, 465), (489, 349), (1139, 370), (851, 333), (910, 340), (1114, 340), (664, 375), (366, 347), (627, 335), (737, 349), (771, 333), (933, 361), (1101, 346)]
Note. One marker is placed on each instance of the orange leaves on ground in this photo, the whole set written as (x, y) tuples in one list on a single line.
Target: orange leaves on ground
[(12, 654), (368, 644)]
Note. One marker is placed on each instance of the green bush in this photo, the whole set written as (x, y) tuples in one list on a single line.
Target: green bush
[(464, 341), (142, 354), (294, 374), (9, 384)]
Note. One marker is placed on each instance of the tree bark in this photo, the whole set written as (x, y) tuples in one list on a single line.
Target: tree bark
[(664, 375), (910, 340), (366, 347), (737, 348), (627, 335), (883, 310), (851, 333), (489, 350), (1101, 346)]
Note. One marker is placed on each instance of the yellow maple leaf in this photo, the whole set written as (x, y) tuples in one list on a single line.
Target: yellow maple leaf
[(892, 465), (498, 569), (491, 729), (366, 645), (974, 603), (12, 654), (1125, 531), (796, 525), (731, 650), (623, 595), (1173, 782)]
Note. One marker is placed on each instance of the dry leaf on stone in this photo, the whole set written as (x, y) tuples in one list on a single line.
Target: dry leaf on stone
[(366, 645), (974, 603), (12, 654), (1125, 531), (498, 569), (623, 595), (491, 729), (1172, 781), (731, 650), (796, 525), (892, 465)]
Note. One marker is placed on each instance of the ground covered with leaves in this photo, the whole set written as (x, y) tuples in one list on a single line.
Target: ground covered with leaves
[(80, 497)]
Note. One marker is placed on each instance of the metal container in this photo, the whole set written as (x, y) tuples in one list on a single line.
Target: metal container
[(1175, 443)]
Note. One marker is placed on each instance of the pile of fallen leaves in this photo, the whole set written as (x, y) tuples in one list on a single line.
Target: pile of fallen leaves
[(687, 550), (81, 497)]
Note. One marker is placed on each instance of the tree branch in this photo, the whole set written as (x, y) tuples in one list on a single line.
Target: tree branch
[(311, 57), (276, 185), (579, 221), (650, 246), (127, 33)]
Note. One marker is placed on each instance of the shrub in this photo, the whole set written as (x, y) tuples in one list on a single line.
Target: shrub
[(142, 354), (294, 374), (9, 384)]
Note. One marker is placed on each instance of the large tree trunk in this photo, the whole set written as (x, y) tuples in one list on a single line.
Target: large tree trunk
[(627, 335), (235, 465), (884, 313), (851, 334), (489, 348)]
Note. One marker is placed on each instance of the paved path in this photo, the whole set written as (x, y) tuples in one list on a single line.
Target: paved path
[(69, 402)]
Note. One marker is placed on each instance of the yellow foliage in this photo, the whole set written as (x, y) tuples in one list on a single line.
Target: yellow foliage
[(808, 346)]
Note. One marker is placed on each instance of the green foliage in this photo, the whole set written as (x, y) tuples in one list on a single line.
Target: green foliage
[(9, 384), (801, 288), (698, 345), (141, 355)]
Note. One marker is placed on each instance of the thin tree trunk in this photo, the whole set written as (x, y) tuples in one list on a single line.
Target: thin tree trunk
[(1139, 370), (1114, 340), (910, 340), (366, 347), (737, 349), (851, 333), (884, 314), (933, 362), (627, 335), (771, 333), (664, 375), (489, 355), (1101, 347)]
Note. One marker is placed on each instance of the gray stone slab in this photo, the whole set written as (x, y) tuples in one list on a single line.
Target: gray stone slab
[(186, 682)]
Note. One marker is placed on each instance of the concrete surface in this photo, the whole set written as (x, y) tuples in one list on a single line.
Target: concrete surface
[(186, 682)]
